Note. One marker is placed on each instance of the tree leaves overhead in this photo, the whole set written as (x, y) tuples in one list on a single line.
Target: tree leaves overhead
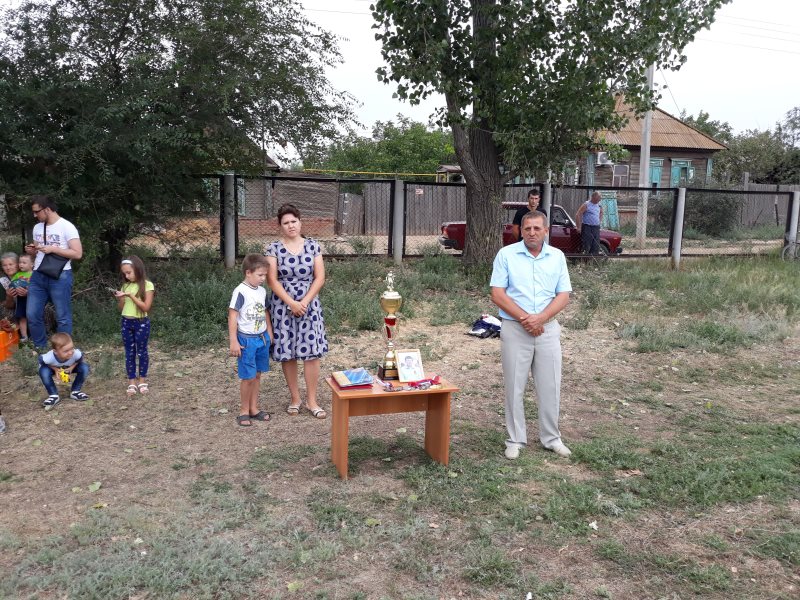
[(527, 83), (539, 74), (116, 105)]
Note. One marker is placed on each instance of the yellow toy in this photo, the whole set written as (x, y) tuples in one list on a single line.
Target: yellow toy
[(64, 375)]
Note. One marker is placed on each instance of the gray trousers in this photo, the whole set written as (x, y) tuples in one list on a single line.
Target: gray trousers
[(522, 354), (590, 239)]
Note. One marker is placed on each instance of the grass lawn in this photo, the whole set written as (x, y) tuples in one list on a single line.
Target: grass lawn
[(680, 403)]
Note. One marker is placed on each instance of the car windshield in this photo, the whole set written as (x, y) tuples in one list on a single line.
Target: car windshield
[(559, 217)]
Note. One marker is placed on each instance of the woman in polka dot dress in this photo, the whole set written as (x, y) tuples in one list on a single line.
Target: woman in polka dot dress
[(296, 276)]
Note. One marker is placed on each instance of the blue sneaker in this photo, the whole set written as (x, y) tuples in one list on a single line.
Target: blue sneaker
[(79, 395)]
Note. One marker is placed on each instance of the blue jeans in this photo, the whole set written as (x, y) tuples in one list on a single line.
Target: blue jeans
[(46, 374), (59, 291)]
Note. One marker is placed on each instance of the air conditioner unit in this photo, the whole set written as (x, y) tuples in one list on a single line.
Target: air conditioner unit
[(603, 159)]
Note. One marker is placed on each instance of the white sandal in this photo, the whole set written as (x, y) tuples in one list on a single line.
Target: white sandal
[(143, 389), (131, 390)]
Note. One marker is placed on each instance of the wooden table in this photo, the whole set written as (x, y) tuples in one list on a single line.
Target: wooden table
[(376, 401)]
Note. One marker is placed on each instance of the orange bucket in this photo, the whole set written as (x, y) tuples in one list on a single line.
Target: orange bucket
[(9, 342)]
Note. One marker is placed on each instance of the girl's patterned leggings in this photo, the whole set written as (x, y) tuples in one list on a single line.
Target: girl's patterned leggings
[(135, 333)]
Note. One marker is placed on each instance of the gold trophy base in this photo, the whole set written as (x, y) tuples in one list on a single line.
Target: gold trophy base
[(388, 374)]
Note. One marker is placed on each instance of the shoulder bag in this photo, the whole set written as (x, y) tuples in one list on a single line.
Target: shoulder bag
[(52, 264)]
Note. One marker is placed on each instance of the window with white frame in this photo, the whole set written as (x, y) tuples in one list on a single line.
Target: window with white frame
[(620, 176)]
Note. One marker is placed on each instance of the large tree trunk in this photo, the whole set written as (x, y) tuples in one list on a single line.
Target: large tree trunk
[(115, 237), (477, 152), (484, 201)]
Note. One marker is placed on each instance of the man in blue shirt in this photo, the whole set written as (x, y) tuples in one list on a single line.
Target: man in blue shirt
[(530, 284), (588, 219)]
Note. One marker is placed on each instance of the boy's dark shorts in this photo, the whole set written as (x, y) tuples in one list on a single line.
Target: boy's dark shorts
[(255, 354), (22, 305)]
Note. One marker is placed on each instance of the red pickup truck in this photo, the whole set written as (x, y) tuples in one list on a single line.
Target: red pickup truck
[(563, 233)]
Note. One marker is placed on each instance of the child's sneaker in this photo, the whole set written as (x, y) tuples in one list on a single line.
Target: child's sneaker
[(51, 401), (78, 395)]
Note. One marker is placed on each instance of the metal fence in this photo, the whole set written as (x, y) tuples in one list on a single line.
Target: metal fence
[(734, 222), (345, 216), (354, 216)]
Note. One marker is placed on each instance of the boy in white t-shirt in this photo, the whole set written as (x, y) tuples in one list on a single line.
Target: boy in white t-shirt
[(250, 333), (63, 360)]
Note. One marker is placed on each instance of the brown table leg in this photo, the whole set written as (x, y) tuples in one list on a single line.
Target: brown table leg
[(437, 427), (340, 426)]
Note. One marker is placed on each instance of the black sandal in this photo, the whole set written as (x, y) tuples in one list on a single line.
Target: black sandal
[(241, 421), (261, 416)]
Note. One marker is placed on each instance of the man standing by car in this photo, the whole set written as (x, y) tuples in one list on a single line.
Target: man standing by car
[(530, 284), (533, 204), (587, 220), (62, 240)]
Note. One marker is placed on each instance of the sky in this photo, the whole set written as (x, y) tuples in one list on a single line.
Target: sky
[(743, 70)]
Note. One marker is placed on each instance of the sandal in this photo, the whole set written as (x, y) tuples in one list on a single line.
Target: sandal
[(318, 413), (132, 390), (51, 401), (293, 410), (261, 416), (244, 421), (143, 389)]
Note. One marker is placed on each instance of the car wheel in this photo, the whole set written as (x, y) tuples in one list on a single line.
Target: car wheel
[(604, 249)]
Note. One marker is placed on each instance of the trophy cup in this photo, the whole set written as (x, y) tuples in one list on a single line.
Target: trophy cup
[(390, 304)]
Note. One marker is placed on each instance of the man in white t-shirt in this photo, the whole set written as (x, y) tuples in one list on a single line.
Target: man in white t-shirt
[(62, 239)]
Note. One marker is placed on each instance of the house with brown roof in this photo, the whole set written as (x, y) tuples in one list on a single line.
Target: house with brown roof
[(679, 154)]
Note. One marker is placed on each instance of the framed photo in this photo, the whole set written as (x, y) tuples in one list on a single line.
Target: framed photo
[(409, 365)]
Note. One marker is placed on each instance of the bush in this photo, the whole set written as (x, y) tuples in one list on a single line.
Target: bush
[(714, 214)]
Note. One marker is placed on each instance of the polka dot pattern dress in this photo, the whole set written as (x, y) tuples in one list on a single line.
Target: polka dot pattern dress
[(296, 338)]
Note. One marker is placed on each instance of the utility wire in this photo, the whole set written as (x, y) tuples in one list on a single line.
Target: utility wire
[(341, 12), (669, 89), (749, 20), (740, 26), (747, 46)]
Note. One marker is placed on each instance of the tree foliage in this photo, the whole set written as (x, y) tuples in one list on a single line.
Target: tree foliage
[(769, 156), (719, 130), (115, 106), (752, 151), (789, 129), (405, 148), (527, 83)]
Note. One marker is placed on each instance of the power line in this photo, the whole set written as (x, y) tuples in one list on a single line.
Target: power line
[(747, 46), (749, 20), (669, 89), (769, 37), (341, 12), (761, 29)]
